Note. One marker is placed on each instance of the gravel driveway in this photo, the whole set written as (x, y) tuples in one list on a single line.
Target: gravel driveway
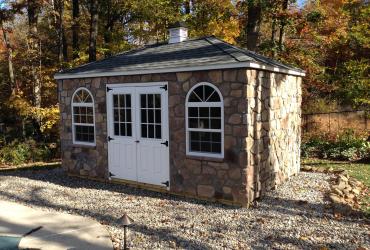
[(296, 216)]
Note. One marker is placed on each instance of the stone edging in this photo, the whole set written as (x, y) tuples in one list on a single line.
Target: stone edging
[(345, 192)]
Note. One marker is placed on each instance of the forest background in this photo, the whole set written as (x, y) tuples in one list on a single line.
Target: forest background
[(329, 39)]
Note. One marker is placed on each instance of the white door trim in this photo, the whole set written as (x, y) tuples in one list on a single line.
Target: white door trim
[(136, 84)]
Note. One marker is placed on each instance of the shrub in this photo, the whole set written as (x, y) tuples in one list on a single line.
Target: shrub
[(18, 152), (344, 146)]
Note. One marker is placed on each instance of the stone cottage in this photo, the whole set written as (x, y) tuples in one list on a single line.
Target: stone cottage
[(199, 118)]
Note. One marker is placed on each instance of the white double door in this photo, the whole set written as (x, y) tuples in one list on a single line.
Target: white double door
[(138, 145)]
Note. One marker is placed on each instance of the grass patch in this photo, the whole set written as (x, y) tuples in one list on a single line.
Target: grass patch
[(359, 171)]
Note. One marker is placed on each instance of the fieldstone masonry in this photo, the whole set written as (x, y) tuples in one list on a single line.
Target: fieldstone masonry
[(262, 132)]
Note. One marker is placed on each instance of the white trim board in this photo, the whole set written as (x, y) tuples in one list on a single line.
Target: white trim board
[(253, 65)]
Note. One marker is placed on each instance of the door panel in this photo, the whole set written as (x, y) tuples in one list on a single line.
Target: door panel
[(153, 156), (138, 126), (121, 146)]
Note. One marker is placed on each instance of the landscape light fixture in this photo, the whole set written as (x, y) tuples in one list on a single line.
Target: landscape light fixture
[(125, 221)]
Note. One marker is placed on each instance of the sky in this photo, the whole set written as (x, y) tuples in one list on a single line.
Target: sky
[(301, 2)]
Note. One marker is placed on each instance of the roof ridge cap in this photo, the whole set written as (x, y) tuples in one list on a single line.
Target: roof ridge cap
[(218, 47)]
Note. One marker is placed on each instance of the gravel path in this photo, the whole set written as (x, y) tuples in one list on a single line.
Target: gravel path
[(296, 216)]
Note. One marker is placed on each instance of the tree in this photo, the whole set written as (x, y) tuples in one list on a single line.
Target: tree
[(93, 29), (75, 27), (253, 24)]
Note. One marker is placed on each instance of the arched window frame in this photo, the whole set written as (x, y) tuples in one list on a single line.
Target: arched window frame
[(204, 104), (74, 124)]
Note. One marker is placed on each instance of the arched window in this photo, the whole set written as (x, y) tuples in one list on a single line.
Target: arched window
[(204, 121), (83, 117)]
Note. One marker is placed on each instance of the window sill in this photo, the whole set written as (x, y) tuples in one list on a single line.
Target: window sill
[(76, 145), (204, 158)]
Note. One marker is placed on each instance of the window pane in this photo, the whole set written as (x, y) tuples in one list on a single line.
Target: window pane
[(157, 101), (150, 131), (216, 147), (150, 101), (194, 98), (144, 131), (121, 100), (215, 123), (143, 101), (129, 129), (214, 97), (208, 91), (116, 128), (195, 146), (90, 119), (216, 137), (215, 112), (123, 129), (204, 112), (193, 112), (204, 123), (115, 115), (205, 147), (194, 136), (193, 123), (115, 101), (150, 115), (143, 116), (122, 115), (158, 131), (128, 101), (199, 91), (205, 136), (128, 115), (158, 116)]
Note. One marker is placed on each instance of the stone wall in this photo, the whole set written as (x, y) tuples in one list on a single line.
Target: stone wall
[(208, 178), (274, 127), (261, 143)]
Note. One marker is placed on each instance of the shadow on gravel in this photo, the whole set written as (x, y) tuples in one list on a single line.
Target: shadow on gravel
[(58, 177)]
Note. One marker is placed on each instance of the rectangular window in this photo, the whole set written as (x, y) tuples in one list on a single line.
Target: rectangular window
[(122, 115), (83, 120), (151, 116)]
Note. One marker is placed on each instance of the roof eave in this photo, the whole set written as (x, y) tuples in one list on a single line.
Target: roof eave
[(253, 65)]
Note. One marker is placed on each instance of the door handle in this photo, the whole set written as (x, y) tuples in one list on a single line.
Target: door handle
[(110, 138), (165, 143), (137, 141)]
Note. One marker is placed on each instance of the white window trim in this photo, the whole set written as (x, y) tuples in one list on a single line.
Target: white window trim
[(75, 142), (204, 104)]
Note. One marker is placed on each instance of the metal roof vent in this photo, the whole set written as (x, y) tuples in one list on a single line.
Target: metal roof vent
[(178, 32)]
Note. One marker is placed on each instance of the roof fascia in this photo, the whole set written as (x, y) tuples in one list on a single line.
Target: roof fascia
[(253, 65)]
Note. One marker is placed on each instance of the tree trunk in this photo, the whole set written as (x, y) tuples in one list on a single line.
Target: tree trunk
[(62, 43), (33, 9), (283, 23), (273, 37), (75, 28), (10, 57), (253, 24), (93, 29)]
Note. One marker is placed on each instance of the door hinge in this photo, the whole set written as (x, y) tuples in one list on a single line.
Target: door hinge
[(109, 89), (167, 183), (109, 138), (110, 174), (165, 143), (164, 87)]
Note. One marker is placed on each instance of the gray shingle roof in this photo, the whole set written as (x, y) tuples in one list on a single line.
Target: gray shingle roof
[(208, 51)]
